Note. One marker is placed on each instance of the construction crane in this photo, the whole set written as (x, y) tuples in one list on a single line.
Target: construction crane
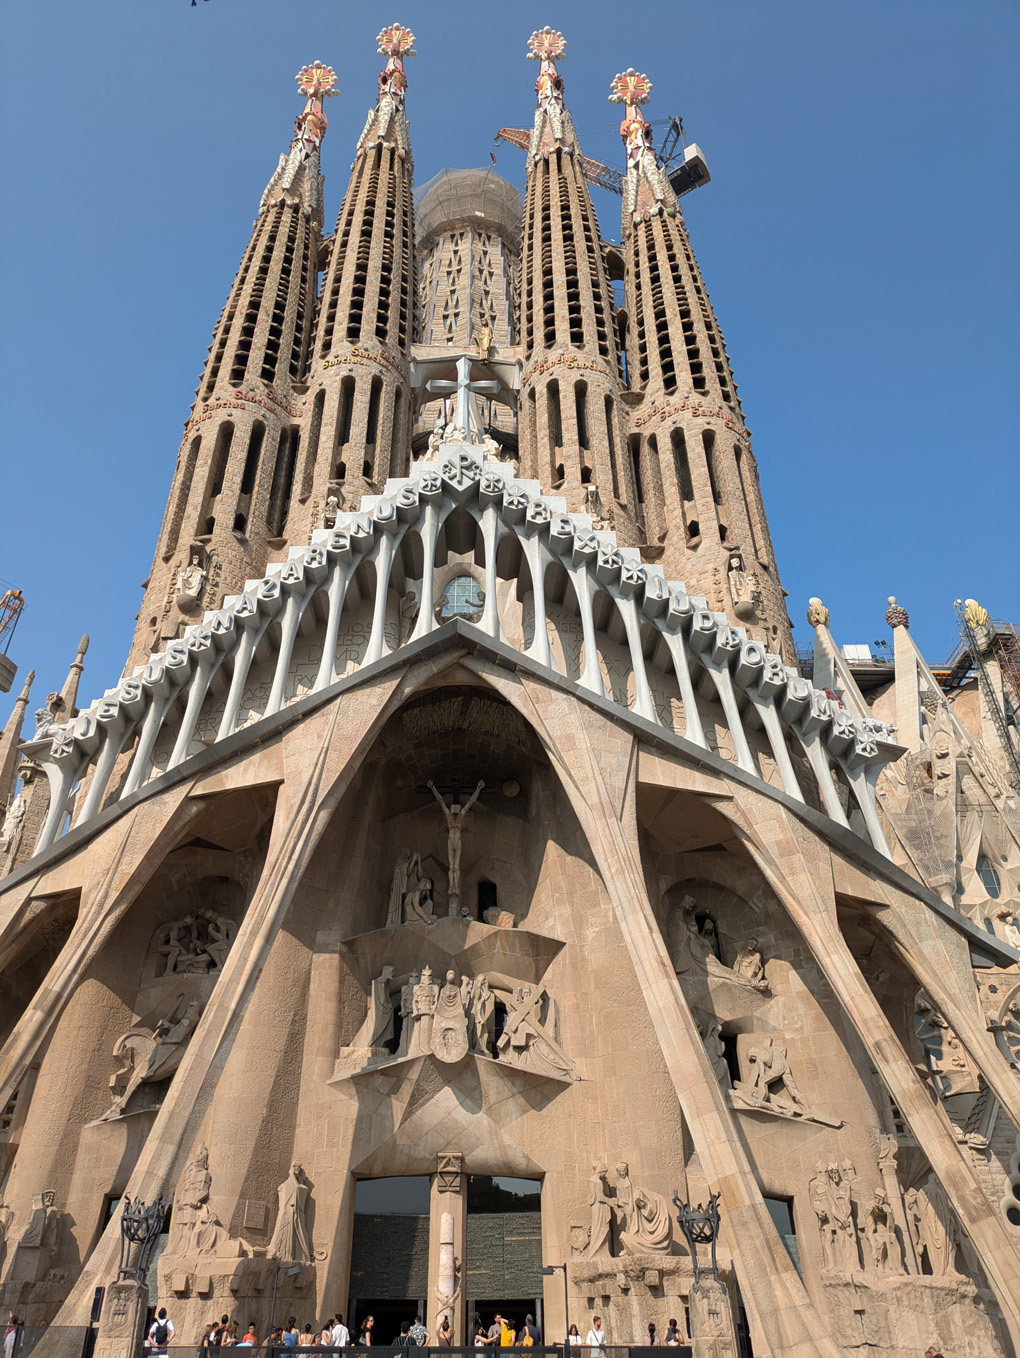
[(11, 604), (684, 165), (1000, 639)]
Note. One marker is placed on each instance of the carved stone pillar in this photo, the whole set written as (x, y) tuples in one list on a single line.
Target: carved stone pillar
[(122, 1326), (712, 1330), (447, 1235)]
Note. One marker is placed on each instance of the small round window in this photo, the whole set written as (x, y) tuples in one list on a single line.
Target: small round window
[(462, 598), (989, 877)]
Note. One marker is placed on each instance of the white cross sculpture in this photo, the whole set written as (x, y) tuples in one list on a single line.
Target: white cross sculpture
[(464, 388)]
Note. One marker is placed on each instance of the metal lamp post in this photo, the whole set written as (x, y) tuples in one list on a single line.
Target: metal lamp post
[(139, 1229), (700, 1226), (547, 1271), (291, 1272)]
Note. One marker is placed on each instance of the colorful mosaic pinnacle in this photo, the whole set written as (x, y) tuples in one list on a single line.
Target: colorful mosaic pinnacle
[(396, 42), (317, 81), (546, 44), (630, 88)]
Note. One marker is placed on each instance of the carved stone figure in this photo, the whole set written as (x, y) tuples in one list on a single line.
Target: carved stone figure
[(742, 588), (195, 1228), (711, 1035), (423, 1007), (6, 1218), (378, 1026), (450, 1022), (190, 583), (601, 1212), (491, 448), (406, 869), (41, 1231), (483, 1016), (485, 342), (194, 945), (435, 439), (623, 1204), (842, 1214), (1010, 928), (650, 1227), (881, 1235), (601, 517), (146, 1056), (772, 1080), (292, 1237), (934, 1226), (455, 816), (529, 1038), (818, 1196), (418, 904), (749, 967), (13, 827), (407, 1012), (330, 511)]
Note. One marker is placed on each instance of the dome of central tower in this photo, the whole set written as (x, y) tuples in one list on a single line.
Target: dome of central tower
[(468, 198)]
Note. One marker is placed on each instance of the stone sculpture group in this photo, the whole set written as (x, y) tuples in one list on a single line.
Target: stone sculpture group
[(625, 1219)]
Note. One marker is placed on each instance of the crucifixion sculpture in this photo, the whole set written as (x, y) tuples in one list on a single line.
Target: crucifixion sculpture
[(455, 816)]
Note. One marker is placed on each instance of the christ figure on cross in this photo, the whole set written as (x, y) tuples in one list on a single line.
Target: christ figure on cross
[(455, 815)]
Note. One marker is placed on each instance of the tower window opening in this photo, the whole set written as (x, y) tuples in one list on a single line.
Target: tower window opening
[(681, 464), (183, 493), (345, 413), (221, 452), (239, 523), (586, 476), (738, 457), (552, 397), (251, 460), (634, 444), (374, 403), (581, 410), (312, 451), (611, 442), (283, 481), (708, 439)]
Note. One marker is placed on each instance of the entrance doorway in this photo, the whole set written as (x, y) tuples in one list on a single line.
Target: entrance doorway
[(514, 1311), (389, 1315)]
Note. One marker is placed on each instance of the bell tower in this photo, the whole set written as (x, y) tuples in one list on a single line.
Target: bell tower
[(238, 466), (360, 420), (695, 473), (570, 415)]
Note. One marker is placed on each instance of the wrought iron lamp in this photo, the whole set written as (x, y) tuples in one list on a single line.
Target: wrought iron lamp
[(700, 1226), (139, 1229)]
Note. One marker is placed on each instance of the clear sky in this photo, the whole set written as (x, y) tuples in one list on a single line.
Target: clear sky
[(858, 239)]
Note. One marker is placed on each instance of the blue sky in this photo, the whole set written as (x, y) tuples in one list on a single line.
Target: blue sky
[(858, 240)]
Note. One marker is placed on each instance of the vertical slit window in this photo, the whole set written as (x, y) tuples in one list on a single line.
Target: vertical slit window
[(283, 481), (552, 398), (372, 432), (738, 455), (681, 464), (345, 413), (581, 410), (611, 443), (708, 439), (251, 460), (181, 500), (312, 451), (634, 442)]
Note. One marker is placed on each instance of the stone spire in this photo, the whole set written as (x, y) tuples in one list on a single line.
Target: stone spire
[(238, 472), (19, 842), (9, 754), (697, 480), (570, 421), (69, 693), (360, 425)]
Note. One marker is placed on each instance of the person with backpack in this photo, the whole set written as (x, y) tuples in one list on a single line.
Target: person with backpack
[(161, 1332), (529, 1335)]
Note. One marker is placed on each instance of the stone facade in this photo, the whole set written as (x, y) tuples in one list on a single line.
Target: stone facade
[(446, 833)]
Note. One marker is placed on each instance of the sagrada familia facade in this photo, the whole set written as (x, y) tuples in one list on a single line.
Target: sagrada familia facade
[(463, 816)]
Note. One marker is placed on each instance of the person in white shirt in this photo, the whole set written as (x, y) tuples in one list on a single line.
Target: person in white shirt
[(161, 1332), (339, 1335), (596, 1335)]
